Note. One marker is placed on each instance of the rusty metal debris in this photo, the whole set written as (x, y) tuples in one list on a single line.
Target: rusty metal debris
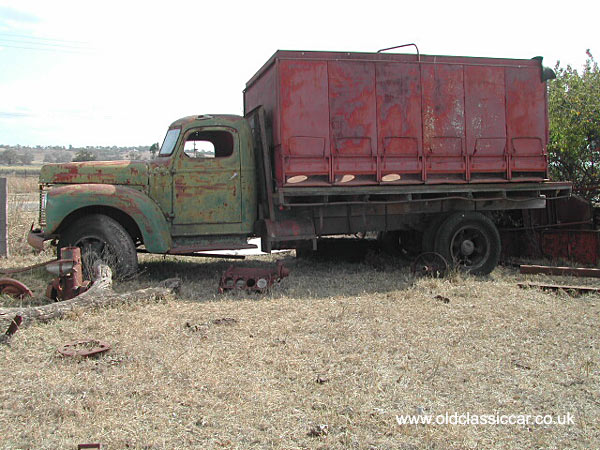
[(68, 284), (70, 281), (559, 270), (96, 446), (88, 347), (14, 325), (14, 288), (571, 290), (12, 329), (430, 264), (251, 278)]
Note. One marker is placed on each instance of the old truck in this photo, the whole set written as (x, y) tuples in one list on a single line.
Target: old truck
[(428, 151)]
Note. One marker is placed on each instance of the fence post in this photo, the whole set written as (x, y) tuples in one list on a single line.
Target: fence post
[(3, 218)]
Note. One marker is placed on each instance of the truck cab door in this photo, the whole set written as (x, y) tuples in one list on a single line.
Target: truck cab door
[(206, 180)]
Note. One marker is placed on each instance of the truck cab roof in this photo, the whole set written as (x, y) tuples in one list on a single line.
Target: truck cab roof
[(202, 119)]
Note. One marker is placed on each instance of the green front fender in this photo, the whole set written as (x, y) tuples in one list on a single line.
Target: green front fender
[(62, 201)]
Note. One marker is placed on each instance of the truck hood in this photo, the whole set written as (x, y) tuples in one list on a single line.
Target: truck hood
[(106, 172)]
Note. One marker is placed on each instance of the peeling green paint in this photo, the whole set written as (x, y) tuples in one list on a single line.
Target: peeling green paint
[(169, 196)]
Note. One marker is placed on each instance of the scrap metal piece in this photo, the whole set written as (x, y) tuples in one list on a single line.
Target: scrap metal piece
[(559, 270), (70, 281), (571, 290), (88, 347), (12, 329), (95, 445), (429, 264), (251, 278), (14, 288)]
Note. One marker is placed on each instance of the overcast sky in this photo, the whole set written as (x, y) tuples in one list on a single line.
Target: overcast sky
[(118, 73)]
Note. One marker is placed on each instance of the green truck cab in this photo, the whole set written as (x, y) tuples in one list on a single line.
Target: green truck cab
[(199, 194)]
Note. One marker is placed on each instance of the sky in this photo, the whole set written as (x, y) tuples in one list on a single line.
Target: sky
[(119, 72)]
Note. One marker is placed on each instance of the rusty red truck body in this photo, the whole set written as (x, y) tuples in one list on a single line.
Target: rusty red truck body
[(431, 152), (381, 119)]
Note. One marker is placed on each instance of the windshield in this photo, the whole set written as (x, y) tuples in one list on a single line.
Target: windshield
[(169, 143)]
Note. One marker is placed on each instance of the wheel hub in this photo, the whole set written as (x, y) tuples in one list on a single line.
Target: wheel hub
[(467, 247)]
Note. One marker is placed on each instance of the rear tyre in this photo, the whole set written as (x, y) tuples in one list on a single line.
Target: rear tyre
[(469, 241), (102, 238)]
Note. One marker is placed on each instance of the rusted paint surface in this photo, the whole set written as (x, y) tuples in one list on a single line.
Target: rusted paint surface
[(13, 327), (575, 245), (396, 118), (169, 195), (252, 279), (563, 230), (63, 200), (209, 192), (70, 282), (107, 172), (14, 288), (84, 348)]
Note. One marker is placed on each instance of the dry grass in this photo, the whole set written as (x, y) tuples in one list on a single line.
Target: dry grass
[(344, 345), (22, 184), (379, 343)]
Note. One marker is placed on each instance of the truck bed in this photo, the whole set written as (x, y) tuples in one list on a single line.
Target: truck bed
[(360, 119)]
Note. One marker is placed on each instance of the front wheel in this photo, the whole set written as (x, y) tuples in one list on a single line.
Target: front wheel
[(470, 241), (101, 238)]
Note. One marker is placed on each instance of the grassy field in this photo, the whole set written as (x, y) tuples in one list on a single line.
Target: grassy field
[(328, 359), (31, 170)]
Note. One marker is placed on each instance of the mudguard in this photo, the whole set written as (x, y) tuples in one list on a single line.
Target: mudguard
[(65, 200)]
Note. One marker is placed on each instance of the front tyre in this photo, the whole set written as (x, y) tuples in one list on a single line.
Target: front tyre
[(470, 241), (102, 238)]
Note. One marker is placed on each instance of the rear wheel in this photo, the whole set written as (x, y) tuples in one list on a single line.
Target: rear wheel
[(470, 241), (101, 238)]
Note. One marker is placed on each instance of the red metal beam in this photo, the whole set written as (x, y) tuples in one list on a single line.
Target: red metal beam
[(557, 270)]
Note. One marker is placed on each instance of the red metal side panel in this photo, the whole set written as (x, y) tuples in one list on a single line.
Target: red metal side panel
[(486, 123), (304, 122), (444, 123), (359, 118), (526, 123), (399, 123), (264, 92), (353, 118)]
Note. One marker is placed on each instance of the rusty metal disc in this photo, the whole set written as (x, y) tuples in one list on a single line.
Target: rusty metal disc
[(429, 264), (84, 348), (14, 288)]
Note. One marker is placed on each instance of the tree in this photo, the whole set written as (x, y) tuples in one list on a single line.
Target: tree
[(25, 158), (84, 155), (153, 149), (9, 156), (574, 109)]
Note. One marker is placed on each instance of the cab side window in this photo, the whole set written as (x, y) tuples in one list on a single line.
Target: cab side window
[(209, 144)]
